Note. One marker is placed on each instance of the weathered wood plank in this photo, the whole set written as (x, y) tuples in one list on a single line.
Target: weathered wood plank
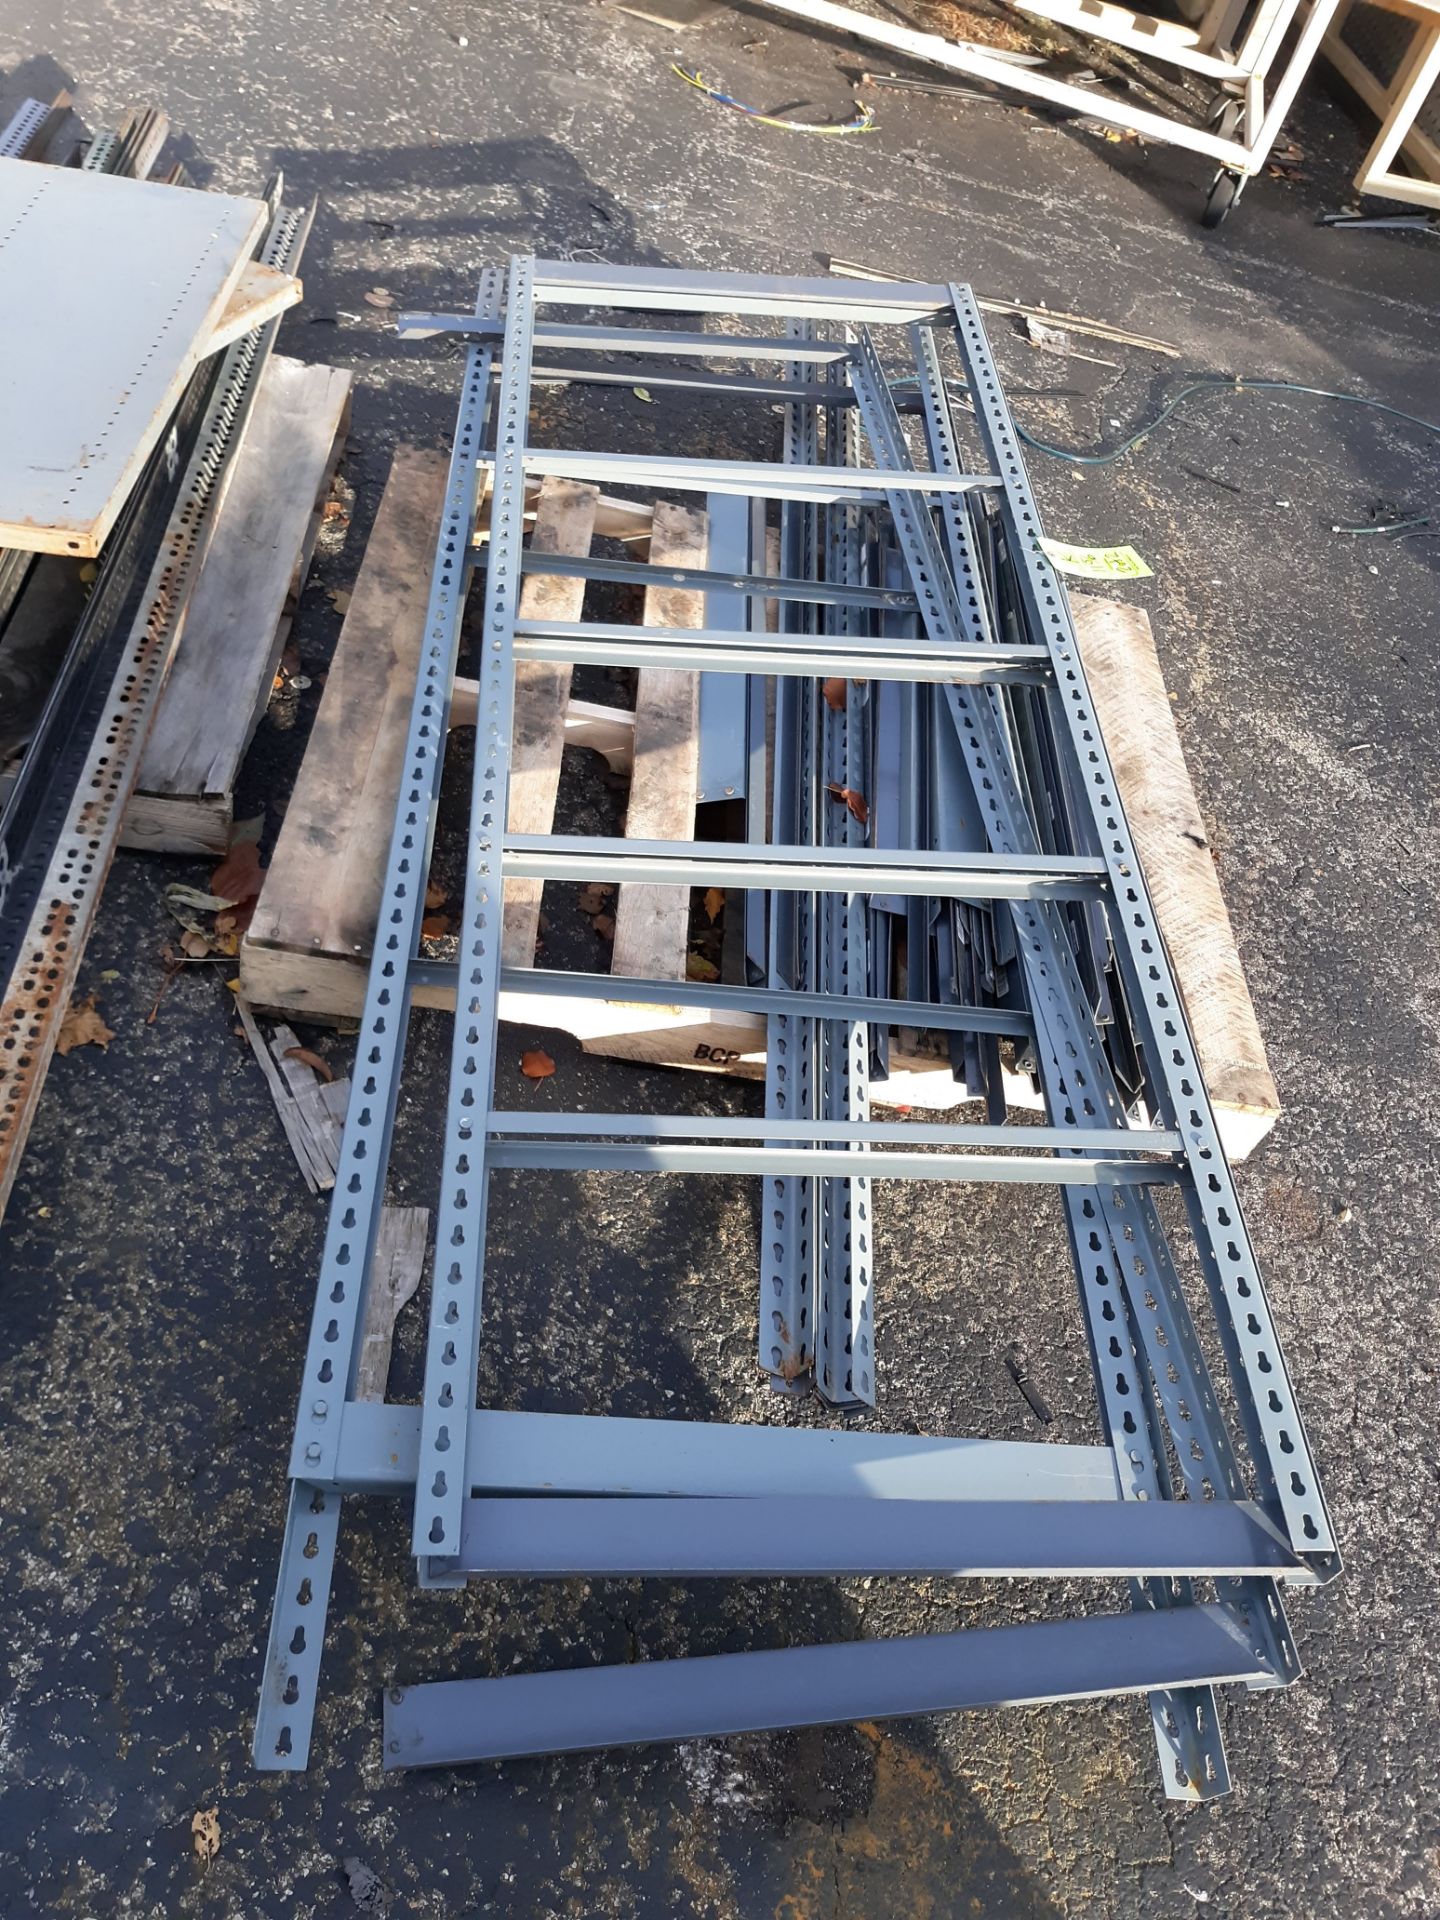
[(564, 521), (1138, 722), (322, 892), (224, 667), (652, 924), (394, 1277)]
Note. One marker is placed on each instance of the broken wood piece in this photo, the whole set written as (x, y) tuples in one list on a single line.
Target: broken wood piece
[(564, 521), (652, 923), (311, 1160), (261, 294), (1138, 722), (320, 1103), (394, 1277), (238, 618)]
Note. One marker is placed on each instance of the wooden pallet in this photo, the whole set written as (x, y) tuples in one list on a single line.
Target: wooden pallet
[(308, 947), (240, 612)]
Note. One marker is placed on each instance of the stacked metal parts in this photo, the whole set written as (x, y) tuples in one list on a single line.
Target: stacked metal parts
[(947, 851), (84, 648)]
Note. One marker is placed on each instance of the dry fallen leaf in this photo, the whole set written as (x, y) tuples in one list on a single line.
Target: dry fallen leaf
[(435, 926), (435, 896), (536, 1064), (194, 945), (83, 1027), (643, 393), (379, 297), (854, 801), (335, 510), (340, 599), (205, 1833), (226, 945), (835, 693), (239, 875), (593, 897), (697, 967), (604, 925), (714, 901), (311, 1060)]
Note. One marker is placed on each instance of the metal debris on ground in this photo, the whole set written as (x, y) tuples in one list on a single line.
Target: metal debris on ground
[(861, 121), (988, 888)]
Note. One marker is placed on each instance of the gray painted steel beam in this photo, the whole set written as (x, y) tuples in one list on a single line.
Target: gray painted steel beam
[(902, 1133), (605, 643), (696, 346), (756, 478), (545, 1453), (623, 990), (785, 1537), (1068, 1170), (453, 1722), (452, 1348), (1267, 1399), (599, 284), (711, 653), (758, 586), (541, 856)]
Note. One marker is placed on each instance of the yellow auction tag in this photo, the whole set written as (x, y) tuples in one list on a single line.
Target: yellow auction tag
[(1097, 563)]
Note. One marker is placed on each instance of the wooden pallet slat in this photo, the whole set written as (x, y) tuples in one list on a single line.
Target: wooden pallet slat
[(652, 924), (308, 945), (1138, 722), (564, 523), (224, 668)]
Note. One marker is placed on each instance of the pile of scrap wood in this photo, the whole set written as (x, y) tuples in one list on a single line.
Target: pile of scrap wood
[(152, 539)]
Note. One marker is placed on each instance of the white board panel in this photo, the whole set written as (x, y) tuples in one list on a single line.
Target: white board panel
[(109, 293)]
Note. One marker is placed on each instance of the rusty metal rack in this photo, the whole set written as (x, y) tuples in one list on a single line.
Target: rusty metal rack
[(1020, 855)]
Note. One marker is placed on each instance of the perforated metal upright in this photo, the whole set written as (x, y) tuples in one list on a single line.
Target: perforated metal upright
[(1039, 877)]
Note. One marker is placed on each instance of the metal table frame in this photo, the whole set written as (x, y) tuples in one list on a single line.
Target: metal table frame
[(1248, 114), (1172, 1497)]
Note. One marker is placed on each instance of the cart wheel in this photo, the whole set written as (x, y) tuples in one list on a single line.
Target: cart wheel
[(1223, 194), (1226, 114)]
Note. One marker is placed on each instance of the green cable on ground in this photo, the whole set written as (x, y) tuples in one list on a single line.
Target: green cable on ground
[(1218, 386)]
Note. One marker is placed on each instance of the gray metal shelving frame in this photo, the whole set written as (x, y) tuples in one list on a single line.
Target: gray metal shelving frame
[(890, 571)]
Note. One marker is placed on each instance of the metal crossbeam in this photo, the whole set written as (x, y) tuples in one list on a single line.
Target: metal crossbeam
[(914, 1133), (572, 1453), (1070, 1170), (452, 1722), (756, 478), (789, 1537), (721, 863), (608, 644), (708, 346), (756, 586)]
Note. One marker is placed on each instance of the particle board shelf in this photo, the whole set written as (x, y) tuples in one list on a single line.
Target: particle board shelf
[(262, 293), (126, 283), (240, 612), (308, 948)]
